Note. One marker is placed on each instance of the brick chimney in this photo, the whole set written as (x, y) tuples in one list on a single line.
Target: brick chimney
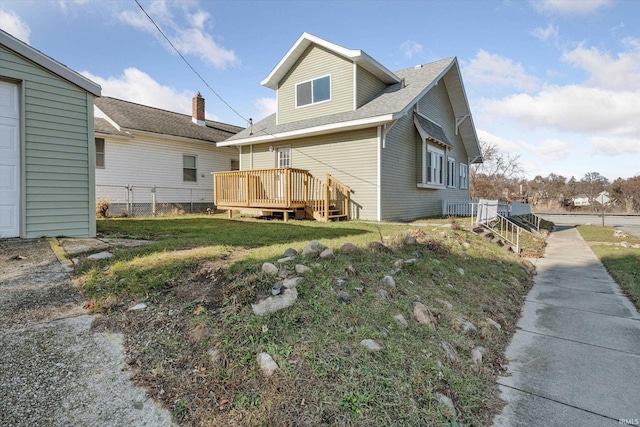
[(197, 110)]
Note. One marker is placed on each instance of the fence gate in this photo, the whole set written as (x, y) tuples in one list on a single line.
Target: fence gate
[(487, 211)]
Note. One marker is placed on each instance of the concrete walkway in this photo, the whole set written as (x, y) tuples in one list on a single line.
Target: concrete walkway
[(575, 359)]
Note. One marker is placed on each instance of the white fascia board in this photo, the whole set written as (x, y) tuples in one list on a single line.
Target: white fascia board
[(167, 138), (98, 113), (112, 136), (49, 63), (313, 131), (305, 40)]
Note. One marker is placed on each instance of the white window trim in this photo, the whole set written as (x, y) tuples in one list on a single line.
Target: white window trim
[(451, 172), (464, 183), (195, 156), (295, 91), (275, 151), (441, 155), (104, 154)]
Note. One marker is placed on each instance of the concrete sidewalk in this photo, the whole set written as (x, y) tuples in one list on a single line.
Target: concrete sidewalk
[(575, 359)]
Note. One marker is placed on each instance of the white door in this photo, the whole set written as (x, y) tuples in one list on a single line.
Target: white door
[(9, 160)]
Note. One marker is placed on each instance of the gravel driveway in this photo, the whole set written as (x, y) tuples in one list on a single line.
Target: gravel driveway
[(54, 370)]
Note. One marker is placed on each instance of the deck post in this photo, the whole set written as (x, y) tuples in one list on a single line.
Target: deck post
[(327, 197), (230, 213), (286, 216)]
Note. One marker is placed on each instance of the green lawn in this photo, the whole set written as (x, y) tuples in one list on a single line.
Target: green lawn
[(622, 263), (201, 274)]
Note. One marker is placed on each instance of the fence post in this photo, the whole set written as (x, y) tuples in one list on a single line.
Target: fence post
[(153, 200)]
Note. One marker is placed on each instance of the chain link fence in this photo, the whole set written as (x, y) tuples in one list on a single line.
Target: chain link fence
[(130, 200)]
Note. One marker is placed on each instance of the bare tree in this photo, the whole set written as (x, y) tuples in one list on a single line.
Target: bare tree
[(498, 177)]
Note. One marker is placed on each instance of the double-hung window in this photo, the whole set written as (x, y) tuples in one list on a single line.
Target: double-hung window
[(451, 172), (100, 153), (464, 176), (313, 91), (189, 169), (435, 166)]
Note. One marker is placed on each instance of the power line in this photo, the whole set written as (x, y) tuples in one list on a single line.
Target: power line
[(189, 64)]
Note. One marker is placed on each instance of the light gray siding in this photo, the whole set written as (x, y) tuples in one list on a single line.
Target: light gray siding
[(350, 157), (57, 183), (313, 63), (401, 163), (368, 86)]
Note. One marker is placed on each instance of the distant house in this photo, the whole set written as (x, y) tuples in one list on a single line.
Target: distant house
[(46, 145), (399, 142), (146, 155)]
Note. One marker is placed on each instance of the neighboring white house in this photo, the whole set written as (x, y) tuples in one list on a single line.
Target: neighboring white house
[(46, 145), (581, 200), (150, 160)]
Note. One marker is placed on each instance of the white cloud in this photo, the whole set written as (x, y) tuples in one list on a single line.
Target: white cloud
[(503, 144), (619, 73), (410, 48), (265, 107), (570, 7), (610, 146), (492, 69), (139, 87), (554, 149), (544, 34), (187, 32), (572, 108), (14, 25)]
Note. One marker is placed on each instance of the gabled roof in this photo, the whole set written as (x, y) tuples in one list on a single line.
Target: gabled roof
[(358, 56), (48, 63), (103, 127), (131, 116)]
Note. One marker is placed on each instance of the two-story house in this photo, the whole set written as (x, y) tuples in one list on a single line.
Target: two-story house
[(401, 141)]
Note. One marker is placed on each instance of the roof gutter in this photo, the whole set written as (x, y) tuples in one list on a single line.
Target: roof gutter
[(313, 131)]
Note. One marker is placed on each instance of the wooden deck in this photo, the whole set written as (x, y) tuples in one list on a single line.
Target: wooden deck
[(285, 190)]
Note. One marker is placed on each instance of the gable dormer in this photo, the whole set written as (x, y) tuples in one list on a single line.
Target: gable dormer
[(317, 78)]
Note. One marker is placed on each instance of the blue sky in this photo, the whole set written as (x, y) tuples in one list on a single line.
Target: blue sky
[(554, 81)]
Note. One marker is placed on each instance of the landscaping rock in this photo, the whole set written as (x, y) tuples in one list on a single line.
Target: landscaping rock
[(488, 308), (446, 401), (378, 247), (410, 261), (292, 283), (476, 355), (401, 320), (494, 324), (269, 268), (625, 245), (140, 306), (398, 263), (309, 252), (214, 356), (410, 241), (449, 351), (371, 345), (445, 303), (417, 254), (275, 290), (423, 316), (389, 282), (327, 253), (302, 269), (461, 271), (620, 234), (340, 281), (351, 270), (284, 273), (349, 248), (100, 255), (466, 245), (467, 327), (266, 363), (286, 259), (274, 303), (290, 252), (317, 246), (343, 296), (199, 333), (383, 294)]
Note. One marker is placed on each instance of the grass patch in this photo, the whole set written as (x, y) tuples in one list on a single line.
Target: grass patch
[(194, 348), (618, 255)]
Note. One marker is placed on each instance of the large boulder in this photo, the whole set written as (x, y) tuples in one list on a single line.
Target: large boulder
[(275, 302)]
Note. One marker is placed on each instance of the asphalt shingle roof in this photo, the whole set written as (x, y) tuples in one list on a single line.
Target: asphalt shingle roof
[(433, 130), (129, 115), (101, 125), (392, 99)]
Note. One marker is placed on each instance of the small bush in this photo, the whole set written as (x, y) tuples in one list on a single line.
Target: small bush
[(102, 206)]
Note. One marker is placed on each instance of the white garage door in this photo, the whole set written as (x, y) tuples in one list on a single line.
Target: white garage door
[(9, 160)]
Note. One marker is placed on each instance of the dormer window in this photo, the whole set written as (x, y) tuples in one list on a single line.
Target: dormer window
[(313, 91)]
